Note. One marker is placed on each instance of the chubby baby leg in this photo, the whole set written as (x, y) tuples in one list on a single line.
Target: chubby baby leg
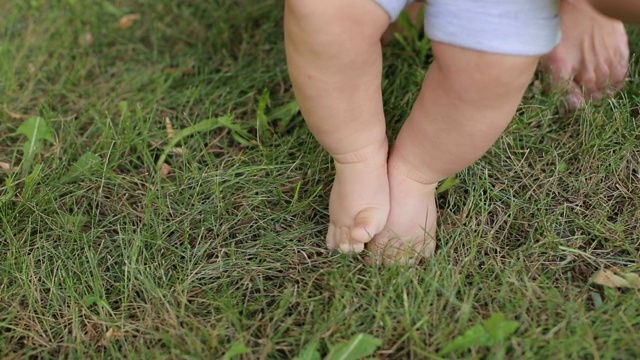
[(467, 99), (335, 65)]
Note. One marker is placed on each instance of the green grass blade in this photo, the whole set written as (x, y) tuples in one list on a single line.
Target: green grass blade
[(202, 126)]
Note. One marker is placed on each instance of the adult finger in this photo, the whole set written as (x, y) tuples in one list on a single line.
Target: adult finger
[(561, 81)]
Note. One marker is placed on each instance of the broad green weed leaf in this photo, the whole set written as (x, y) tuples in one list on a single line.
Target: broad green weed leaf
[(235, 350), (36, 130), (597, 299), (90, 300), (85, 165), (10, 190), (74, 221), (411, 36), (284, 114), (447, 184), (563, 167), (8, 317), (356, 348), (310, 352), (31, 183), (475, 336), (490, 332), (239, 134), (263, 121), (499, 328), (124, 108), (108, 7)]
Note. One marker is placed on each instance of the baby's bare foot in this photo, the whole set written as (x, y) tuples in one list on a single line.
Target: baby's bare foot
[(409, 233), (359, 203)]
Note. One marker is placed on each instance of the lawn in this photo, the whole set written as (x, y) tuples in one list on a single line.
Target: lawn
[(173, 204)]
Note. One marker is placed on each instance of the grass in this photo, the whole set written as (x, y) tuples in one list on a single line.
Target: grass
[(228, 247)]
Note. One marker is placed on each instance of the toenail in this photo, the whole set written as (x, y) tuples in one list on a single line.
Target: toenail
[(573, 101), (345, 248)]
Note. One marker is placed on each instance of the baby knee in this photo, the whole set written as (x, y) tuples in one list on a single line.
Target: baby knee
[(339, 19), (481, 74)]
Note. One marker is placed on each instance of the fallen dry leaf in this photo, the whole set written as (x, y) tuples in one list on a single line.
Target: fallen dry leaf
[(176, 150), (15, 115), (111, 335), (537, 87), (127, 21), (86, 39), (91, 331), (165, 170), (169, 127), (609, 279), (5, 166)]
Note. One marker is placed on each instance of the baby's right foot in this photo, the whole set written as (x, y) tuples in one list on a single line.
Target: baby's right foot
[(409, 233), (359, 202)]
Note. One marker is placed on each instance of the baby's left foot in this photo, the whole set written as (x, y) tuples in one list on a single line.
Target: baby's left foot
[(411, 226)]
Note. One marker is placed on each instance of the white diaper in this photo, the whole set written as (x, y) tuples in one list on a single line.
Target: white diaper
[(509, 27)]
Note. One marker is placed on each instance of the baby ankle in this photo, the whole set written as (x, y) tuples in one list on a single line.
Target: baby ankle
[(377, 151), (420, 177)]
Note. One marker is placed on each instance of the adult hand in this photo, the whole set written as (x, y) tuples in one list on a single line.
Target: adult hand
[(592, 59)]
